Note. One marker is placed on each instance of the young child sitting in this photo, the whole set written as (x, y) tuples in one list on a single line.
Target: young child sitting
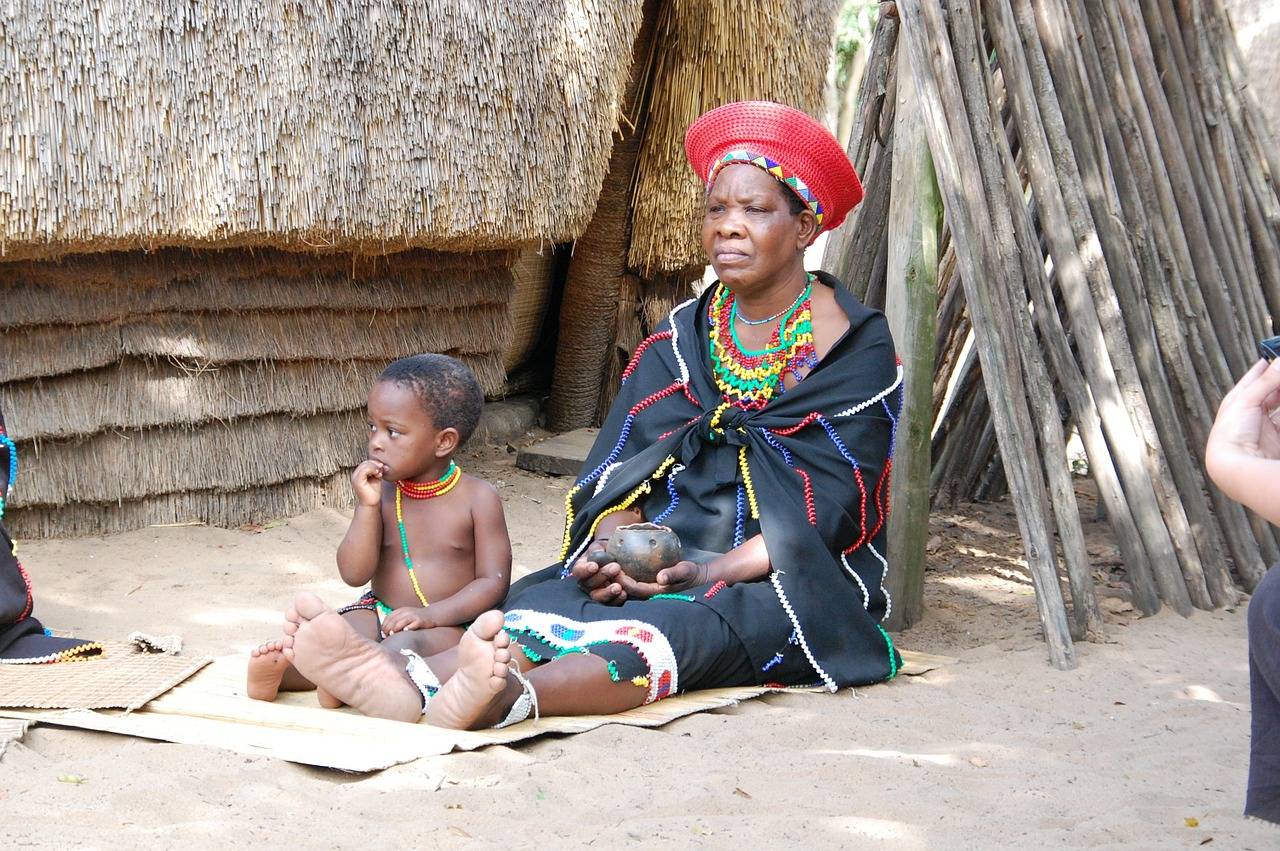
[(430, 543)]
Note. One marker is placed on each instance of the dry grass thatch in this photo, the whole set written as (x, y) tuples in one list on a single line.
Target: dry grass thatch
[(138, 393), (216, 508), (150, 387), (353, 125), (531, 281), (714, 52), (235, 455), (228, 337), (113, 286)]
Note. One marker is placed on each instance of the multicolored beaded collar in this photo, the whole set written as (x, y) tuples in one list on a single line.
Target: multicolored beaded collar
[(422, 490), (750, 378), (776, 170)]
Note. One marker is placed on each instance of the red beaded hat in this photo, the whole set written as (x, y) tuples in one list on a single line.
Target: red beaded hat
[(786, 143)]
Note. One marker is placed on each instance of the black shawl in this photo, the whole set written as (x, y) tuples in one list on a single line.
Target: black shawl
[(818, 458)]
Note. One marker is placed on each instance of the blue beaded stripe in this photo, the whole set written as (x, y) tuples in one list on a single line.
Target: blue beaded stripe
[(685, 597), (624, 434), (773, 441), (839, 444), (893, 418), (774, 662), (675, 497), (8, 443), (739, 521)]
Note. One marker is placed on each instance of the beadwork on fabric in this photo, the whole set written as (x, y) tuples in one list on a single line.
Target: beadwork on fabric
[(570, 636), (776, 170), (369, 602)]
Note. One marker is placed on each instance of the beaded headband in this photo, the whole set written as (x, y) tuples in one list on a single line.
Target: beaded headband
[(775, 170)]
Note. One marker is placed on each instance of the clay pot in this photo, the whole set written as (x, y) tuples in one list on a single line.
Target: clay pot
[(643, 549)]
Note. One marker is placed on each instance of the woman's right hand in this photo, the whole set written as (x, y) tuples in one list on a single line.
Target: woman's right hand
[(599, 581), (366, 481)]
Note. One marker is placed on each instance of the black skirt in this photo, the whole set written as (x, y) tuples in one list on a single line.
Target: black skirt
[(667, 644)]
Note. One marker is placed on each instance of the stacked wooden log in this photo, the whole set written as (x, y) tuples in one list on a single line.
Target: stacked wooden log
[(1110, 256)]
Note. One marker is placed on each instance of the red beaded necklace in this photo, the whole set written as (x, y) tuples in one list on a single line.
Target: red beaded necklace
[(431, 490)]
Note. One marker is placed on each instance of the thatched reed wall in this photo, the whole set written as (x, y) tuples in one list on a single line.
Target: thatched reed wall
[(223, 387), (348, 126), (532, 276), (712, 52)]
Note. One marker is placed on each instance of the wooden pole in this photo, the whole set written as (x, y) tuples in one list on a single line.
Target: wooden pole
[(1073, 271), (1186, 510), (1148, 303), (952, 145), (988, 133), (915, 218)]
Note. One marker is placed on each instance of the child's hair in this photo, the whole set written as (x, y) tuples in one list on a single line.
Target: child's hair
[(446, 387)]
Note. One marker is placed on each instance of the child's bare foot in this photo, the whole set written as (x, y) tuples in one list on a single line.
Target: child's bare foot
[(350, 668), (266, 669), (477, 695)]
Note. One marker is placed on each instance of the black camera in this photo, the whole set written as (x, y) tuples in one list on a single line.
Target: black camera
[(1270, 349)]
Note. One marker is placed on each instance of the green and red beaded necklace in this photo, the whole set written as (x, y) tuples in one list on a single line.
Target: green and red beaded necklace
[(422, 490), (750, 378)]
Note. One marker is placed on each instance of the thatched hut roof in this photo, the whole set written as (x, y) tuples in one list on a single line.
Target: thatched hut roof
[(714, 52), (353, 125)]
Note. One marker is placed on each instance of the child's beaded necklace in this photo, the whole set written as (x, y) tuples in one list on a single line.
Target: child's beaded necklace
[(422, 490), (750, 378)]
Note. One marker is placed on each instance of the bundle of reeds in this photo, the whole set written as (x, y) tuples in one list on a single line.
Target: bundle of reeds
[(349, 126), (712, 52), (1113, 250)]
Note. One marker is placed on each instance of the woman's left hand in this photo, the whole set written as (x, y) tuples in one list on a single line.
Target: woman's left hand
[(677, 577)]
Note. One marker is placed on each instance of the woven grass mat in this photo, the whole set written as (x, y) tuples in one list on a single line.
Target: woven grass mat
[(211, 709), (11, 730), (118, 679)]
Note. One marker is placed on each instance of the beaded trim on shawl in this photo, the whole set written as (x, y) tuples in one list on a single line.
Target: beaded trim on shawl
[(571, 636), (776, 170)]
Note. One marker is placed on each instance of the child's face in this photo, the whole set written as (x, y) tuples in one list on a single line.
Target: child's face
[(402, 436)]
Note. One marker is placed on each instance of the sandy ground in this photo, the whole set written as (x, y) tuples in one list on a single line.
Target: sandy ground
[(1144, 746)]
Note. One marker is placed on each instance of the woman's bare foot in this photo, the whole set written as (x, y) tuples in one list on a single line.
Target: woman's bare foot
[(350, 668), (327, 700), (478, 694), (267, 666)]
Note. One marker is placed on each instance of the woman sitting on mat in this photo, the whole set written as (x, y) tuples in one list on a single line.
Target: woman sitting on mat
[(758, 423)]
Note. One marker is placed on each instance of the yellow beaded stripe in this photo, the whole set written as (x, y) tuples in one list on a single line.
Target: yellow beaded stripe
[(643, 488), (746, 481), (567, 541), (715, 418)]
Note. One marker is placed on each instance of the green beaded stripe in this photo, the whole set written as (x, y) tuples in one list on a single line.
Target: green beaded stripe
[(893, 661)]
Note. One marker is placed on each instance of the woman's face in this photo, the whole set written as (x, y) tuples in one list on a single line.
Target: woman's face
[(749, 231)]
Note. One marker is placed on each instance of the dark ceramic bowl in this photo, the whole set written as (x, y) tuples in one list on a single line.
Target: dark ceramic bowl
[(642, 550)]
